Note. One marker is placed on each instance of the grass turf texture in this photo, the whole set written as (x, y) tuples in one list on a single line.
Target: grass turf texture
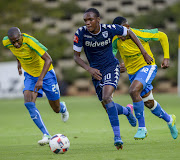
[(88, 130)]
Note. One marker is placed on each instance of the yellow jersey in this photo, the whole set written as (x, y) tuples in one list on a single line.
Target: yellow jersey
[(29, 54), (131, 54)]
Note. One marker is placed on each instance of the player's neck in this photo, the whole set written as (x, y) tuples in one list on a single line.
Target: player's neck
[(97, 30)]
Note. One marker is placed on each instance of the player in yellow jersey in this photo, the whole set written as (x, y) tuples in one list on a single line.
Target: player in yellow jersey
[(141, 74), (39, 76)]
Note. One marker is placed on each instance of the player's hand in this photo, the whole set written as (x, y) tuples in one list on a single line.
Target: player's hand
[(95, 73), (122, 68), (165, 63), (38, 85), (147, 58)]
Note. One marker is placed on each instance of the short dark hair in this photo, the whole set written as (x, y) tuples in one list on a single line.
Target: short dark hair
[(14, 31), (94, 10), (119, 20)]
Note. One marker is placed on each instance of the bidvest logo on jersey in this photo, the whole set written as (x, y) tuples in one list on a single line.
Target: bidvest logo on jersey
[(98, 44)]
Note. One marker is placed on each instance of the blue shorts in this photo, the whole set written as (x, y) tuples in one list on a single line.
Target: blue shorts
[(110, 76), (50, 85), (145, 75)]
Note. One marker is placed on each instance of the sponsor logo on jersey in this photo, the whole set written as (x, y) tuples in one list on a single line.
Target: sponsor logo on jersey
[(76, 39), (98, 44), (105, 34), (87, 36)]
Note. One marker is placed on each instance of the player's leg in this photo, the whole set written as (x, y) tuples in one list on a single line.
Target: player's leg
[(135, 89), (29, 99), (112, 114), (51, 89), (60, 107), (111, 77), (104, 90), (157, 110), (127, 111), (139, 81), (29, 102)]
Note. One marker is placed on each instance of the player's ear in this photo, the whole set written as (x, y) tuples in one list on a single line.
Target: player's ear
[(98, 19)]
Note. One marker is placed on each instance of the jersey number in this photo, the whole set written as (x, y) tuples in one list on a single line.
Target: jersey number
[(55, 88), (145, 70), (107, 76)]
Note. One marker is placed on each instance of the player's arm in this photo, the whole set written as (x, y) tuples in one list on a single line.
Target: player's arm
[(93, 71), (165, 45), (47, 62), (134, 38), (19, 67)]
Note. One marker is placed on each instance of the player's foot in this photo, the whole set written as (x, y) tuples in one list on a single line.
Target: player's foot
[(130, 117), (45, 140), (141, 134), (65, 115), (172, 127), (118, 143)]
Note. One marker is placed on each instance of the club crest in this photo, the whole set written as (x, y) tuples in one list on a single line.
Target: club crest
[(105, 34)]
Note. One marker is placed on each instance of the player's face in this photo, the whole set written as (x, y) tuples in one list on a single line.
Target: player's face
[(16, 41), (92, 22)]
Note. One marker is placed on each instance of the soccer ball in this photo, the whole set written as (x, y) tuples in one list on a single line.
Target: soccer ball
[(59, 144)]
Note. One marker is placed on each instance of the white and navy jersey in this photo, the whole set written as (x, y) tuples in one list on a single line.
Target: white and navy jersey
[(98, 47)]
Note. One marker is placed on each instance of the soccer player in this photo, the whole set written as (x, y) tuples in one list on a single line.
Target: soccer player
[(141, 75), (39, 76), (96, 39)]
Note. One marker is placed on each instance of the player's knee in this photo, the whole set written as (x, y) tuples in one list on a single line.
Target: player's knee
[(149, 104), (106, 99), (133, 92), (149, 101)]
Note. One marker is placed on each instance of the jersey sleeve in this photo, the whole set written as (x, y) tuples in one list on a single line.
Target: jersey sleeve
[(146, 34), (78, 40), (35, 45), (154, 35), (118, 29), (6, 42), (114, 45), (164, 43)]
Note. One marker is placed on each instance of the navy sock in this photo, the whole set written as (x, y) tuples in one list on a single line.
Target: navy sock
[(36, 117), (159, 112), (139, 112), (113, 118), (121, 109)]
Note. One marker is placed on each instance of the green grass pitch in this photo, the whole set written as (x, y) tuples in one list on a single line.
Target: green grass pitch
[(88, 130)]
